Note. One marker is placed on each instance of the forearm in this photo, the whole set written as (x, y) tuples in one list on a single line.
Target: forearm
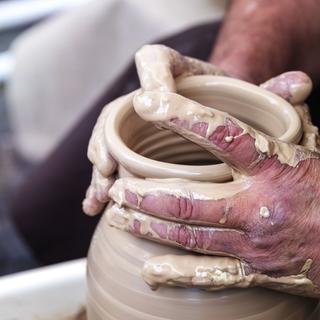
[(262, 38)]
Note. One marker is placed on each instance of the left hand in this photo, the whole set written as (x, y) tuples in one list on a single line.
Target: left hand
[(158, 66)]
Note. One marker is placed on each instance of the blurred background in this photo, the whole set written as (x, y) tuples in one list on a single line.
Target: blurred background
[(56, 57)]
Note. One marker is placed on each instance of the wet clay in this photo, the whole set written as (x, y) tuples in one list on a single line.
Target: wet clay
[(214, 273), (310, 138)]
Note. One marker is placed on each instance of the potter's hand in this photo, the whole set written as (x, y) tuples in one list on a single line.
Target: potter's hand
[(157, 66), (267, 222), (262, 38)]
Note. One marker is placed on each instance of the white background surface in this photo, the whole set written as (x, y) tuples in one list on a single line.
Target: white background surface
[(50, 293), (64, 64)]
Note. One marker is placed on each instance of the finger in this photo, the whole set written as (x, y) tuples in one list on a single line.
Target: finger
[(208, 240), (293, 86), (206, 272), (185, 201), (310, 138), (91, 205), (239, 145), (97, 193), (158, 66), (97, 150), (217, 273), (101, 185)]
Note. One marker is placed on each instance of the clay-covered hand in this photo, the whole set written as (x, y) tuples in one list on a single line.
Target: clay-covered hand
[(158, 66), (265, 224)]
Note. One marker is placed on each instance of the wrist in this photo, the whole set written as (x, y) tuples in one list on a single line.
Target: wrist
[(258, 39)]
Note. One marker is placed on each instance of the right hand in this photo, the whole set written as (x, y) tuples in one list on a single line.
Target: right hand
[(266, 221), (158, 66)]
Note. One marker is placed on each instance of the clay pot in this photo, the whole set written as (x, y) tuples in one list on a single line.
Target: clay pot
[(146, 151), (116, 289)]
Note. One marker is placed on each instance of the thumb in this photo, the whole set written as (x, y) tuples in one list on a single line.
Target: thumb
[(158, 66), (293, 86)]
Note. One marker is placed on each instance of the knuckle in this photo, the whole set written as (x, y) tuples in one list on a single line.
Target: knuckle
[(185, 208), (183, 236)]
